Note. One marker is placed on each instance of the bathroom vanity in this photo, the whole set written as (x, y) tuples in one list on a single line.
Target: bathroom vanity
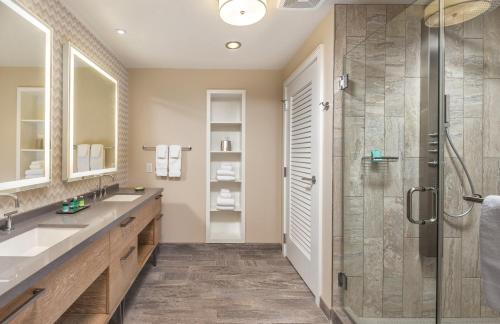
[(83, 277)]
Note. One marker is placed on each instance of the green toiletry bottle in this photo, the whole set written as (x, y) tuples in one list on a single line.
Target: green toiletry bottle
[(65, 206), (81, 202), (74, 203)]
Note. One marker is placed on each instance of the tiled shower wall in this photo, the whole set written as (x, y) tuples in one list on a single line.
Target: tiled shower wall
[(381, 109), (65, 27)]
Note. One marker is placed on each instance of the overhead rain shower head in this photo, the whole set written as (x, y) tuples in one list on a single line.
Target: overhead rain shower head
[(455, 11)]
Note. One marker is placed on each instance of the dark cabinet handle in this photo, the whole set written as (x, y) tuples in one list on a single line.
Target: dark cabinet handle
[(36, 293), (158, 197), (125, 257), (159, 217), (127, 222)]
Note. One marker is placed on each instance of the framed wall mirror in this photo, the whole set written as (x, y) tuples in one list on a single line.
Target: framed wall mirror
[(90, 138), (25, 67)]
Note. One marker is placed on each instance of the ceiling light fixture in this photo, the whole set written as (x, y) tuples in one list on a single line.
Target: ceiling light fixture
[(121, 31), (232, 45), (455, 11), (242, 12)]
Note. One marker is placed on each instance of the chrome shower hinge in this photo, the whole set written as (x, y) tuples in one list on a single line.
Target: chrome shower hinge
[(344, 81), (325, 105)]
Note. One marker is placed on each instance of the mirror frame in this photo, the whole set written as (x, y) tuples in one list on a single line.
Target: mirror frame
[(70, 53), (26, 184)]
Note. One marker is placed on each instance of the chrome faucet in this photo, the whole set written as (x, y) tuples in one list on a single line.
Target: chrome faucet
[(102, 191), (8, 224)]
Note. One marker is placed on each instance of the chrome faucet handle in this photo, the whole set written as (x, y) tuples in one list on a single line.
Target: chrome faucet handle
[(8, 225)]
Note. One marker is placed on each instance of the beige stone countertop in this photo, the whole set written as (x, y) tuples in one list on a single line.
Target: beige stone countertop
[(19, 273)]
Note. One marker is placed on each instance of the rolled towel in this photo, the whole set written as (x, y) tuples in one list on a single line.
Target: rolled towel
[(226, 178), (225, 172), (225, 201), (218, 207)]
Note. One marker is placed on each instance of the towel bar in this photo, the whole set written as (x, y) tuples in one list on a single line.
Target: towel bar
[(153, 148)]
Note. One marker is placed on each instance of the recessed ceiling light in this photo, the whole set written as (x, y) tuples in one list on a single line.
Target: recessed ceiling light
[(242, 12), (121, 31), (233, 45)]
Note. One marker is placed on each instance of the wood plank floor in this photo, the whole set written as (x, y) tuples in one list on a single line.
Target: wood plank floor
[(221, 283)]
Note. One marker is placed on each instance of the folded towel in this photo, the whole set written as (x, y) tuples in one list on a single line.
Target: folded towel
[(224, 207), (226, 178), (174, 151), (225, 172), (225, 193), (36, 166), (97, 157), (489, 241), (174, 161), (225, 166), (34, 172), (225, 201), (162, 160), (33, 176), (83, 157)]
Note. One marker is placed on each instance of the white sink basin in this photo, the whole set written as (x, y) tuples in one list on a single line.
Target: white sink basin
[(123, 198), (35, 241)]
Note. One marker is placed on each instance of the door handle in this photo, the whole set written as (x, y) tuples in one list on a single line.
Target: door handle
[(409, 207), (312, 179)]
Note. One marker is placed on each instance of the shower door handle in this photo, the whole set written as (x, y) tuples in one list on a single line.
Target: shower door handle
[(409, 205)]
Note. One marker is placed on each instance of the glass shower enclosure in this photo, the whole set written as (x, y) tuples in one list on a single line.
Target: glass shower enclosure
[(421, 126)]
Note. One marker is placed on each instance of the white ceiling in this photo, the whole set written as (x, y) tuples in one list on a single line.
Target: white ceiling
[(190, 34)]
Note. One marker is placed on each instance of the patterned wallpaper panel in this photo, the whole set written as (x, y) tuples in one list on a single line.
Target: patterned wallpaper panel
[(65, 27)]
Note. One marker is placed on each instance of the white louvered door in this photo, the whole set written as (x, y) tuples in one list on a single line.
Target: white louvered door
[(302, 223)]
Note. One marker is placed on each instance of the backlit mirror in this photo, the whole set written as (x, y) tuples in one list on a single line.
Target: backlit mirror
[(90, 117), (25, 52)]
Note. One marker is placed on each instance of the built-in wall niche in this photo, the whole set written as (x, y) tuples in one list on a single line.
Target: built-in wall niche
[(225, 215)]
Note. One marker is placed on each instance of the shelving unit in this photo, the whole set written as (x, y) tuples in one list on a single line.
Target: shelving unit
[(30, 128), (225, 120)]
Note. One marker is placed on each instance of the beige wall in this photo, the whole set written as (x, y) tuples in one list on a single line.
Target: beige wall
[(12, 78), (323, 34), (168, 106)]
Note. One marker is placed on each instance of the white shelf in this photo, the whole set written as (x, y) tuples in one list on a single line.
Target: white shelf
[(35, 121), (226, 152), (32, 150), (225, 121)]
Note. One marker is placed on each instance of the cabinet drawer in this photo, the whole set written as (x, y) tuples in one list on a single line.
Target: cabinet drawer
[(123, 233), (157, 204), (145, 214), (46, 301), (122, 271)]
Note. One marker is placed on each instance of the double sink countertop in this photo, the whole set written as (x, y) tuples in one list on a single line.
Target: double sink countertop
[(17, 274)]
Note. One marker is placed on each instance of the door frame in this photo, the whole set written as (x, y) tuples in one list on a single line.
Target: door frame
[(316, 56)]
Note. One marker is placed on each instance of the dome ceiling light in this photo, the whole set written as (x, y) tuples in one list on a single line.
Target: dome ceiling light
[(242, 12)]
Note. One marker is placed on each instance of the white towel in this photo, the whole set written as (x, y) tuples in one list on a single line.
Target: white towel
[(224, 207), (226, 178), (174, 161), (37, 172), (225, 166), (225, 193), (83, 157), (225, 201), (161, 160), (489, 240), (97, 157), (225, 172), (36, 166)]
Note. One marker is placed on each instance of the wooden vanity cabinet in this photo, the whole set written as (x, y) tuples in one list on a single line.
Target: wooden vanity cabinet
[(89, 286)]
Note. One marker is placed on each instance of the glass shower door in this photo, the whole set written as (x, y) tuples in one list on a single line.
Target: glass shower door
[(390, 158), (471, 145)]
